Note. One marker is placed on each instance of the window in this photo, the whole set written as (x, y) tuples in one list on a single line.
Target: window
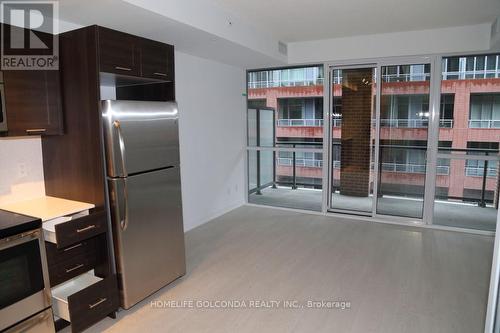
[(446, 110), (301, 108), (451, 68), (403, 73), (409, 111), (484, 111), (289, 77), (291, 108), (256, 103), (475, 168), (471, 67)]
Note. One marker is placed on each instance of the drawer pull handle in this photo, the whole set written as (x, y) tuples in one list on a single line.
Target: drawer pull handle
[(123, 68), (73, 268), (36, 130), (102, 300), (92, 226), (160, 74), (72, 247)]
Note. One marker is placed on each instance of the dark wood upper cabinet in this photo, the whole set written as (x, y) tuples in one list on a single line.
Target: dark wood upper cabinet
[(156, 60), (128, 55), (118, 52), (33, 102)]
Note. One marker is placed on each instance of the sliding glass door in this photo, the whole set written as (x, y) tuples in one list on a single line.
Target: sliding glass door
[(379, 121), (352, 129), (402, 138)]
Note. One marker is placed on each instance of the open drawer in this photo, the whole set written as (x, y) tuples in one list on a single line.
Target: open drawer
[(67, 230), (85, 300)]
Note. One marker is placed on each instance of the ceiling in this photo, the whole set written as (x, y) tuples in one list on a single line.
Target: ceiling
[(299, 20)]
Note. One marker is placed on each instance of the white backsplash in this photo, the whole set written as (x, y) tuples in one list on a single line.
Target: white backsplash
[(21, 169)]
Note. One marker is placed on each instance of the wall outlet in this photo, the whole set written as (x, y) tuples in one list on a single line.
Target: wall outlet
[(22, 170)]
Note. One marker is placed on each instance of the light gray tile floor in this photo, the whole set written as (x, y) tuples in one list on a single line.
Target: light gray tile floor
[(396, 278)]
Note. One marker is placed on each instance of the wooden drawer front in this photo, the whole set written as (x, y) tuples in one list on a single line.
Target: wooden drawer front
[(65, 264), (156, 60), (79, 229), (92, 304), (118, 52)]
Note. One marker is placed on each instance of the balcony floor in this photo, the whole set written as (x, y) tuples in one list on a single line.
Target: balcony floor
[(446, 213)]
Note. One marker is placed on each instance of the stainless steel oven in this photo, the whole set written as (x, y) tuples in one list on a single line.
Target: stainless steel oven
[(3, 112), (24, 281)]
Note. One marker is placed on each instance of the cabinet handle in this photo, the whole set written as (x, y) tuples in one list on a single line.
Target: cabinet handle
[(73, 247), (123, 68), (102, 300), (160, 74), (92, 226), (73, 268), (36, 131)]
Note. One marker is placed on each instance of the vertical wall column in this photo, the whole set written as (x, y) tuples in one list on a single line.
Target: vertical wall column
[(357, 101)]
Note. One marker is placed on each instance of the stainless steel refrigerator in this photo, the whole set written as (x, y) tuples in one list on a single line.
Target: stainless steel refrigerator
[(142, 157)]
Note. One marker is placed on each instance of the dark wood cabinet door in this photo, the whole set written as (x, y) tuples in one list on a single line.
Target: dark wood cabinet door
[(157, 60), (118, 52), (33, 102)]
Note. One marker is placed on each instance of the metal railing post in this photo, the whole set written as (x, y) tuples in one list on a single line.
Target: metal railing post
[(274, 169), (258, 151), (483, 190), (294, 164)]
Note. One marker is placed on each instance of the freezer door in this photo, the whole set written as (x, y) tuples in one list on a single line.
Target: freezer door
[(140, 136), (148, 232)]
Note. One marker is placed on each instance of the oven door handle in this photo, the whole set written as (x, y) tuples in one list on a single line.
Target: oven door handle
[(16, 240)]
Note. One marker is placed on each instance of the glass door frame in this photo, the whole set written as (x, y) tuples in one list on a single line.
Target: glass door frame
[(432, 136)]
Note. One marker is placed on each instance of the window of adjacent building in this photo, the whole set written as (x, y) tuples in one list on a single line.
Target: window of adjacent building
[(404, 156), (256, 103), (405, 111), (475, 168), (287, 77), (300, 108), (471, 67), (484, 111), (403, 73), (446, 111)]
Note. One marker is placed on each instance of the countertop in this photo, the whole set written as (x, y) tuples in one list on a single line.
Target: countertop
[(12, 223), (47, 208)]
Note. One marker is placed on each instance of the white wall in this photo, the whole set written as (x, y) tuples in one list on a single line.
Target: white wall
[(21, 169), (409, 43), (212, 137)]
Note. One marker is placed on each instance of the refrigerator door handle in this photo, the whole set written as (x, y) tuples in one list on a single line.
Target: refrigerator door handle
[(124, 221), (117, 126)]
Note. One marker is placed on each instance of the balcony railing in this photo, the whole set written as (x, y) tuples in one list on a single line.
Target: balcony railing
[(300, 122), (414, 123), (479, 172), (413, 168), (302, 162), (337, 122), (285, 83), (484, 123), (464, 75), (406, 123), (403, 77), (402, 123), (390, 167)]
